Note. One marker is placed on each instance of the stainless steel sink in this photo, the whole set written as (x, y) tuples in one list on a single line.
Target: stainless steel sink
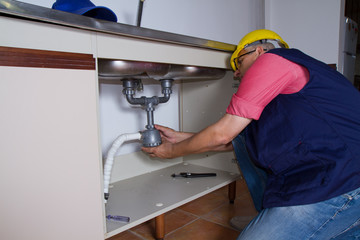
[(120, 69)]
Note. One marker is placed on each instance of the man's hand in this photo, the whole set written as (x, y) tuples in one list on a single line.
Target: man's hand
[(171, 135), (167, 134), (163, 151)]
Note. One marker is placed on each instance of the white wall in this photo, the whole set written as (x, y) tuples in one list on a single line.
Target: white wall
[(224, 21), (311, 26)]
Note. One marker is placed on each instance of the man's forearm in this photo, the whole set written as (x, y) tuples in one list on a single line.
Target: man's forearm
[(184, 135), (207, 140), (216, 137)]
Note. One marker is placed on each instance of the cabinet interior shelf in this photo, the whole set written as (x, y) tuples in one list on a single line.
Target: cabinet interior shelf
[(149, 195)]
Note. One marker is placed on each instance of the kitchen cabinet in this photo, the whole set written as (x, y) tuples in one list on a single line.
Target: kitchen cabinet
[(51, 168), (50, 179)]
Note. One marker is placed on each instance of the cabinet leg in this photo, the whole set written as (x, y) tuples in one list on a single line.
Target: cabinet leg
[(232, 192), (160, 227)]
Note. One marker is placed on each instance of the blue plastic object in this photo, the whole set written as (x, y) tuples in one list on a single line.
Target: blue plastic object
[(85, 8), (118, 218)]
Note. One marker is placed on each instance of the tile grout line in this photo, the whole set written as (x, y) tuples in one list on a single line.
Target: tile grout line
[(136, 234), (203, 216), (192, 221)]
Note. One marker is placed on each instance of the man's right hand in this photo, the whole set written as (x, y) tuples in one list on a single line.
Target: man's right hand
[(172, 136)]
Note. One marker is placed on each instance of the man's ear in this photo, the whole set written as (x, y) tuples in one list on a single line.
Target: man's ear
[(260, 50)]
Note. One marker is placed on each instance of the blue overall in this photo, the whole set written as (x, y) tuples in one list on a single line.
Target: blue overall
[(305, 149)]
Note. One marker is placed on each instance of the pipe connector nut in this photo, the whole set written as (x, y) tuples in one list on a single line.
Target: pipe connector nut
[(151, 138)]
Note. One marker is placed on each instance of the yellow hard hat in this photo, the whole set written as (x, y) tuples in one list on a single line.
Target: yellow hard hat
[(257, 35)]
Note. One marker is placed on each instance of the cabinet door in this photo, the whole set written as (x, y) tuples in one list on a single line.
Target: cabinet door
[(50, 178)]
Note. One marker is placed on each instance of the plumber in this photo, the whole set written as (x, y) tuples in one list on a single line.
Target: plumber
[(300, 122)]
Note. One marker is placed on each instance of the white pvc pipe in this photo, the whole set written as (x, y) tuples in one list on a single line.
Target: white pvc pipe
[(111, 155)]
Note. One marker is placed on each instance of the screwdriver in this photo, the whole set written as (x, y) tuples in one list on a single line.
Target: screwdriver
[(118, 218), (193, 175)]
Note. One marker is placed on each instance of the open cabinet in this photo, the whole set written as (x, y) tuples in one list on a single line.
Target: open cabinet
[(143, 188), (52, 131)]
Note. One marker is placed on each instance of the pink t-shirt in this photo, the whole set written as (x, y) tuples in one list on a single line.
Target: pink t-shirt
[(269, 76)]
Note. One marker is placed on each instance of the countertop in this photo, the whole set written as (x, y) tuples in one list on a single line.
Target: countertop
[(31, 12)]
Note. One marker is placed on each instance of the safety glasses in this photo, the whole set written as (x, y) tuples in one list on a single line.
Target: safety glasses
[(236, 60)]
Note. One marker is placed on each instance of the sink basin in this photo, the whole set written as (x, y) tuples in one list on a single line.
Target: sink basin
[(120, 69)]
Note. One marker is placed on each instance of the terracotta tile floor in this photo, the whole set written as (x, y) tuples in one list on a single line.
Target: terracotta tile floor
[(206, 218)]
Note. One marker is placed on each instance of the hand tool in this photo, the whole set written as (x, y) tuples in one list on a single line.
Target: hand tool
[(193, 175)]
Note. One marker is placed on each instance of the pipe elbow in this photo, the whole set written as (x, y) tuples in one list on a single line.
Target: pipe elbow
[(164, 99), (135, 101)]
